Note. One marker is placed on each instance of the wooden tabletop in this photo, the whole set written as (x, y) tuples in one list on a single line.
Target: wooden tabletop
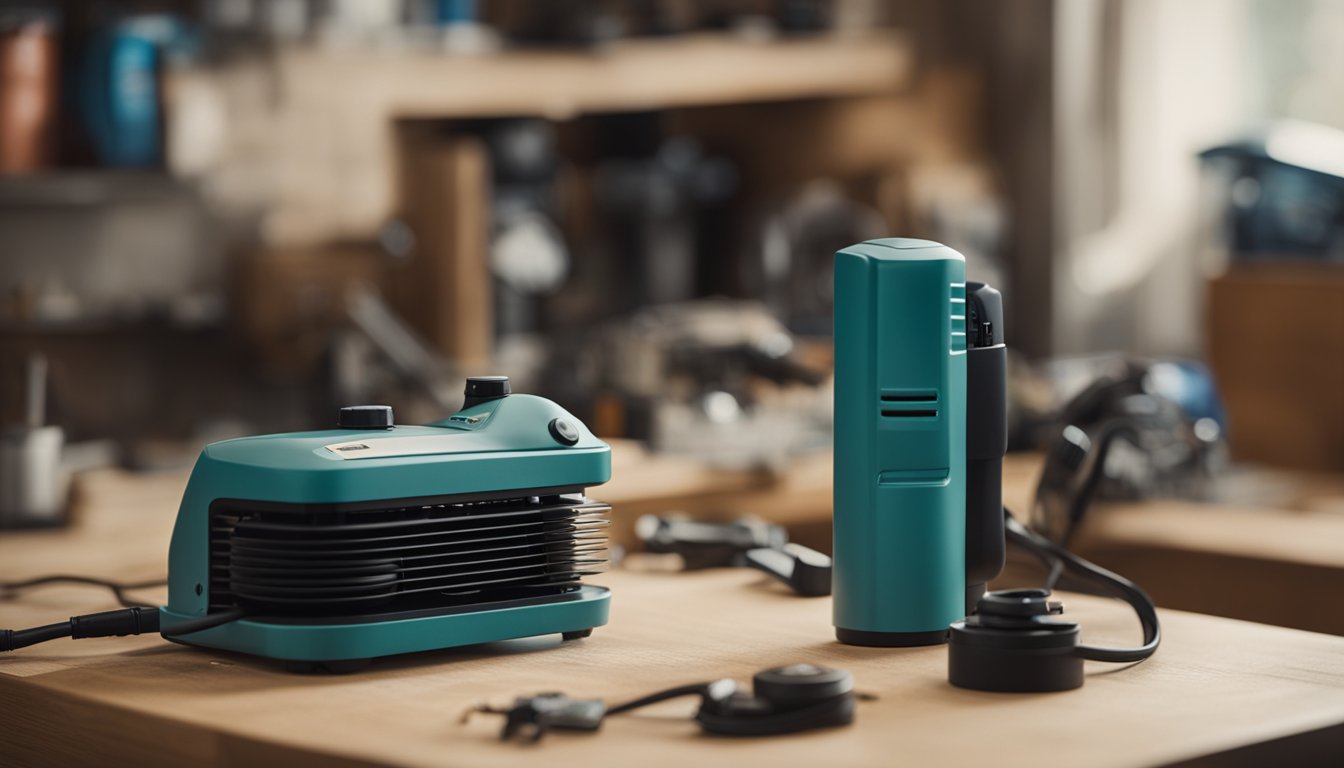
[(1216, 684)]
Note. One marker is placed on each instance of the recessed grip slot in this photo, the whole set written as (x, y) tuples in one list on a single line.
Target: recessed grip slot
[(910, 397)]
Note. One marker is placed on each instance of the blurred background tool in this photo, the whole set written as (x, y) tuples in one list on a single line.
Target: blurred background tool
[(716, 378), (36, 462), (1282, 192), (742, 543), (33, 484)]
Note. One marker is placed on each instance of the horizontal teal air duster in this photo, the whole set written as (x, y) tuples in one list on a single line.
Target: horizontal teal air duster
[(488, 450)]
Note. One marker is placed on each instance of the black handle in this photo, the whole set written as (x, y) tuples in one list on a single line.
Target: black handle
[(986, 437), (806, 571)]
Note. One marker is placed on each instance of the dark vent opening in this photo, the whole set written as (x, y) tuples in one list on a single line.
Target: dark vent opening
[(917, 397), (302, 561), (910, 414)]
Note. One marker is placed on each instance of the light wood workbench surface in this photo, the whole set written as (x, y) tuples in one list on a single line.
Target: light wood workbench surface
[(1216, 685)]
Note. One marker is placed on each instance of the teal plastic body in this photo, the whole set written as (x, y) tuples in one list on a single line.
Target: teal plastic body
[(497, 446), (900, 442)]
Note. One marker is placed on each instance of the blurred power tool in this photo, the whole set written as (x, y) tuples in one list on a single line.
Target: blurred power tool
[(36, 462), (717, 378), (788, 262), (742, 543), (656, 195), (1139, 430), (528, 255), (1281, 193)]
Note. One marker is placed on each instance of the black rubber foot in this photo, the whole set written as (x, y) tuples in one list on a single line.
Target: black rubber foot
[(890, 639), (577, 634)]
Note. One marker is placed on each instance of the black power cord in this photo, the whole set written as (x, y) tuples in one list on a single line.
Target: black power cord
[(127, 621), (787, 699), (134, 619), (1060, 561), (695, 689)]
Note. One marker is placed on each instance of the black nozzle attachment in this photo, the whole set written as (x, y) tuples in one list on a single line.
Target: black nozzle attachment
[(1011, 645), (984, 316), (986, 437)]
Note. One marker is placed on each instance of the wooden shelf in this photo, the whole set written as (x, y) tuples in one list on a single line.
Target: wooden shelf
[(699, 70), (329, 139), (65, 188)]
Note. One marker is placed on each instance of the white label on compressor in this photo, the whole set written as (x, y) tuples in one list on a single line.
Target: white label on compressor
[(385, 447)]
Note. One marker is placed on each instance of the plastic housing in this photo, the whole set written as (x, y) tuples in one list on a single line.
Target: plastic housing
[(497, 446), (900, 442)]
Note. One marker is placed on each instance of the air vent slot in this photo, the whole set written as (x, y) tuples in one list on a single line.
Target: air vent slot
[(958, 318), (908, 403), (335, 562), (910, 397)]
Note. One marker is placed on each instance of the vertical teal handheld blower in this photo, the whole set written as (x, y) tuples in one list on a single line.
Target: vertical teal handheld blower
[(900, 442)]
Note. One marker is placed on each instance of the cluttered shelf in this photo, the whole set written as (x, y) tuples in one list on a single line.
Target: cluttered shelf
[(689, 71)]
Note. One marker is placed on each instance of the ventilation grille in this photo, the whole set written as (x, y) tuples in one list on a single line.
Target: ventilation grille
[(909, 404), (958, 316), (340, 562)]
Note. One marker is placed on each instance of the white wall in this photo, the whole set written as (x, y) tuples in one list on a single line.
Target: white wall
[(1141, 87)]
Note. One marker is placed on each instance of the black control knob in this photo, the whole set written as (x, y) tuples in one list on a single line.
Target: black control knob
[(481, 389), (365, 417), (563, 432)]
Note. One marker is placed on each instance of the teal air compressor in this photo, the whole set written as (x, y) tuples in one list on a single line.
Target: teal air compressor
[(373, 539), (900, 442)]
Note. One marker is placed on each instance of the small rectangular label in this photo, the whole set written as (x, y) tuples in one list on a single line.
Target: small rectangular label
[(395, 446)]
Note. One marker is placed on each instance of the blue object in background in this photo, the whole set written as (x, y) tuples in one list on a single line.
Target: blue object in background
[(1190, 385), (120, 94), (1284, 192), (455, 11)]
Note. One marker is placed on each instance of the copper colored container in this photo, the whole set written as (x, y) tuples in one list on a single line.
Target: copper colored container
[(28, 78)]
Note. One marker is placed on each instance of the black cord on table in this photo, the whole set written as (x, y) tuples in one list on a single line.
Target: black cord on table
[(695, 689), (1061, 561), (134, 619), (205, 622), (1093, 473), (11, 589), (10, 639)]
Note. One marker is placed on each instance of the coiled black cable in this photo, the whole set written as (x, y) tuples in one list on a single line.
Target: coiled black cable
[(1061, 561)]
